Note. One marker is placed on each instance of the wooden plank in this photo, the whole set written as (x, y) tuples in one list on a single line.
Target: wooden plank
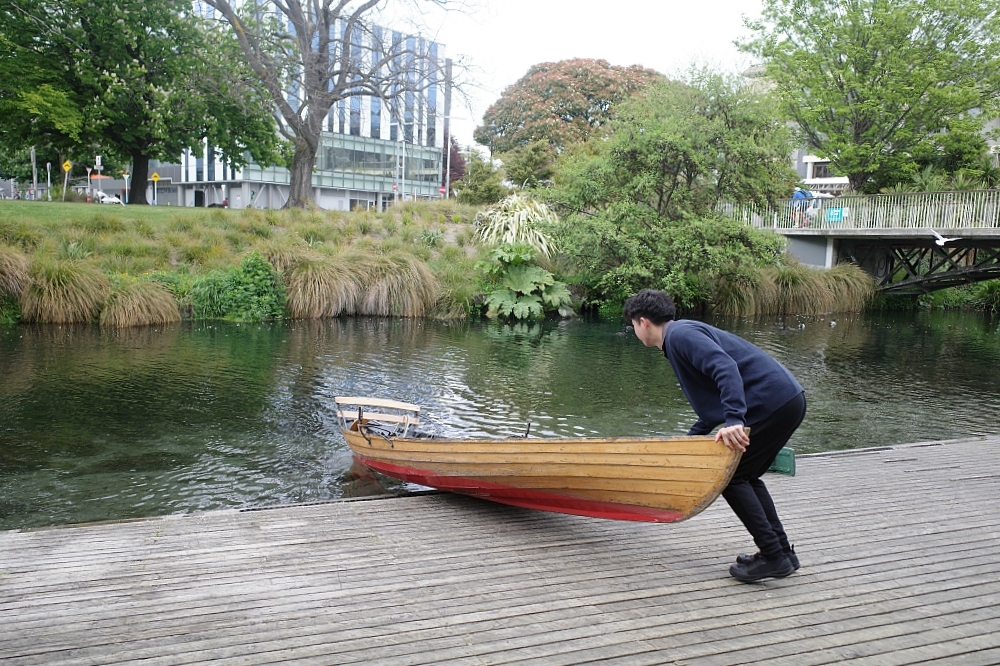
[(376, 402), (902, 563)]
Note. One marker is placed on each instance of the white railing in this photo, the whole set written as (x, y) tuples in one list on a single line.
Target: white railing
[(972, 209)]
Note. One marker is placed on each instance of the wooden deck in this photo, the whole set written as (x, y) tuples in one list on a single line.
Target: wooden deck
[(900, 554)]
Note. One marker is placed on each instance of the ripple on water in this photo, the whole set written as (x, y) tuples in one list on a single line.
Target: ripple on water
[(96, 426)]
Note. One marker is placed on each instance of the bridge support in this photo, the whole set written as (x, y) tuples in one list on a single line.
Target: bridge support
[(917, 266)]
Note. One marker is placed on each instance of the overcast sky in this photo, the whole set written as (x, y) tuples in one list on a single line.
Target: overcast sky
[(506, 37)]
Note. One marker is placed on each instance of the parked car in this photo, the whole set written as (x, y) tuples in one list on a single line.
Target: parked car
[(108, 198)]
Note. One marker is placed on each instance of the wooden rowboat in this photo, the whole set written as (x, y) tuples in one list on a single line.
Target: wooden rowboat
[(653, 479)]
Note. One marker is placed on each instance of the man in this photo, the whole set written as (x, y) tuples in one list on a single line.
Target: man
[(732, 383)]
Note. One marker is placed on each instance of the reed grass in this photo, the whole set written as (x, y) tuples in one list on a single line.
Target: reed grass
[(63, 292), (14, 271), (322, 287), (139, 303)]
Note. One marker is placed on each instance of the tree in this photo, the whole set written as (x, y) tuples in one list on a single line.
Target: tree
[(137, 80), (311, 54), (870, 82), (455, 162), (560, 103), (482, 184), (531, 165), (639, 207)]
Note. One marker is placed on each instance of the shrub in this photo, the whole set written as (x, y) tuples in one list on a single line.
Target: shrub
[(10, 310), (986, 296), (251, 292), (63, 292), (14, 274), (139, 303)]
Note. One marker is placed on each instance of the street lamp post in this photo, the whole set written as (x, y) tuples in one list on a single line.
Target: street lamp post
[(447, 157)]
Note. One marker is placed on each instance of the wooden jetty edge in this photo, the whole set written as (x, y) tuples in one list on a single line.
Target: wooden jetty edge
[(900, 551)]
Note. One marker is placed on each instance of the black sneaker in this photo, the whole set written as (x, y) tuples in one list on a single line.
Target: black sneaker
[(743, 558), (761, 568)]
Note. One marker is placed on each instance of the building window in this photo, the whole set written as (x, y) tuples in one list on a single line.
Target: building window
[(821, 170)]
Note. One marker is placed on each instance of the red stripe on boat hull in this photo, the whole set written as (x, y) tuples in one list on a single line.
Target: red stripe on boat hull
[(524, 497)]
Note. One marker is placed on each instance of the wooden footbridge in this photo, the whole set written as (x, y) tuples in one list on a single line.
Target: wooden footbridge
[(899, 566), (911, 243)]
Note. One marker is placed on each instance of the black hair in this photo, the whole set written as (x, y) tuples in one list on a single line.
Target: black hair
[(656, 306)]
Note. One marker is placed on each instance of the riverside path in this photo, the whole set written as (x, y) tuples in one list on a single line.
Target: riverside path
[(899, 566)]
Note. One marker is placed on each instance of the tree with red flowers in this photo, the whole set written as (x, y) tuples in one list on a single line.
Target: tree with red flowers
[(559, 102)]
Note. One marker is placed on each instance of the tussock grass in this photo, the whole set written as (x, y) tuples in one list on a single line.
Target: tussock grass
[(101, 222), (63, 292), (14, 275), (285, 252), (797, 290), (397, 284), (794, 289), (852, 288), (139, 303), (190, 243), (322, 287)]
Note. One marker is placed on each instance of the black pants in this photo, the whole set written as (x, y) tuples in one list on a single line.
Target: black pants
[(746, 493)]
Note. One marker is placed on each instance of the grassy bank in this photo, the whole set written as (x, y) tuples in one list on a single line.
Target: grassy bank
[(132, 265), (129, 266)]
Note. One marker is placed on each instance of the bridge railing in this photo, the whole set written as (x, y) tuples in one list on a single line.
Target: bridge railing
[(969, 209)]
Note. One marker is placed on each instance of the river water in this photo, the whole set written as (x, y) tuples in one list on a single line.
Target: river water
[(99, 425)]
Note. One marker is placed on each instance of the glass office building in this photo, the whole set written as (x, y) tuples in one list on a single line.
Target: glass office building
[(372, 151)]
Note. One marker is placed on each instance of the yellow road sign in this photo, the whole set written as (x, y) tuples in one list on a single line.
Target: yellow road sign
[(155, 177), (67, 165)]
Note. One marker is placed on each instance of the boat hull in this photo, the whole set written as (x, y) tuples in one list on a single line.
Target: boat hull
[(643, 479)]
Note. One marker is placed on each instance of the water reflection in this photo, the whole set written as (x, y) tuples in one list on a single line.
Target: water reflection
[(99, 425)]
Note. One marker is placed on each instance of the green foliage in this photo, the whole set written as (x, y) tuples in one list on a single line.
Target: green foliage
[(251, 292), (517, 219), (482, 183), (871, 83), (531, 165), (432, 237), (638, 208), (986, 296), (525, 290), (140, 79), (10, 309), (559, 103)]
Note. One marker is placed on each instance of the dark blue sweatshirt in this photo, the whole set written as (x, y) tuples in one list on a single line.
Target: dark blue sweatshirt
[(725, 378)]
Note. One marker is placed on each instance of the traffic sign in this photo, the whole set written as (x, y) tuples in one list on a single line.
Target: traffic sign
[(67, 165), (97, 162), (441, 189), (394, 187), (155, 177)]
